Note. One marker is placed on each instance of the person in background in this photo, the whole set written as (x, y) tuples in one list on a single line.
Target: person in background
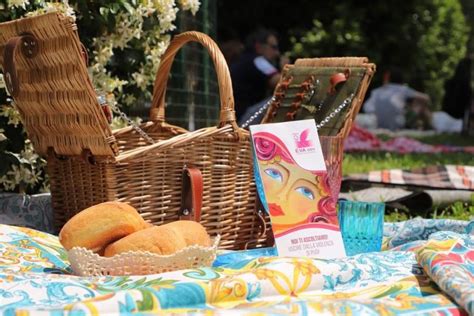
[(256, 73), (231, 46), (389, 102)]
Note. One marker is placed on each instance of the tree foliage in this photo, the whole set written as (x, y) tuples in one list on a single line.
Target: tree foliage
[(425, 38)]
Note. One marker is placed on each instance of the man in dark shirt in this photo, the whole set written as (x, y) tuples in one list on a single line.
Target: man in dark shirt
[(254, 75)]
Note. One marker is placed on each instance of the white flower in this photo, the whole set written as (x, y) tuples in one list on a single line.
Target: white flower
[(191, 5), (162, 46), (32, 177), (17, 3), (12, 114), (166, 20), (140, 79), (166, 11), (129, 99), (15, 174), (103, 53), (28, 154), (45, 187), (62, 7), (2, 82), (7, 183)]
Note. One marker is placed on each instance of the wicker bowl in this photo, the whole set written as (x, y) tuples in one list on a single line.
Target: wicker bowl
[(84, 262)]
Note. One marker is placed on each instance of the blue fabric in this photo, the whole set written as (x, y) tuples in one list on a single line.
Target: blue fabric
[(421, 229), (390, 282), (33, 211)]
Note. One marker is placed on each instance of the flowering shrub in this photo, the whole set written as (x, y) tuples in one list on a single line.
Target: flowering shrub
[(124, 39)]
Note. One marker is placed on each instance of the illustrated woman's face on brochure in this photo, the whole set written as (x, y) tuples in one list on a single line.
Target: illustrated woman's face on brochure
[(292, 194)]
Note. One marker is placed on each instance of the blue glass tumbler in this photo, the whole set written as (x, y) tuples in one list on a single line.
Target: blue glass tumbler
[(361, 226)]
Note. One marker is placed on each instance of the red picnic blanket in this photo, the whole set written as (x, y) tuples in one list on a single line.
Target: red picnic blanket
[(441, 177), (361, 139)]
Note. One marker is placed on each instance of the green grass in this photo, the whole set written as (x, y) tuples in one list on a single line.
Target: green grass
[(365, 162), (440, 139), (459, 210), (448, 139)]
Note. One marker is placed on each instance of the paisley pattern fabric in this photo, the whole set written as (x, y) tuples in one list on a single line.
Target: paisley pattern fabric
[(398, 234), (33, 211), (448, 258), (35, 276)]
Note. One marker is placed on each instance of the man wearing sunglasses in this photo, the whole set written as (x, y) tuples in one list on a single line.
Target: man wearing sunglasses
[(255, 73)]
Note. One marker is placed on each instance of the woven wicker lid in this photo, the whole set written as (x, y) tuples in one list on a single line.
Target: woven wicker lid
[(54, 94), (314, 77)]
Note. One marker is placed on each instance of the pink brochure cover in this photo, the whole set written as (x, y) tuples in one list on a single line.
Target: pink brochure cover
[(291, 176)]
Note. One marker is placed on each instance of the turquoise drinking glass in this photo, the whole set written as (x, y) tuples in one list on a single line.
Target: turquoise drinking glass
[(361, 225)]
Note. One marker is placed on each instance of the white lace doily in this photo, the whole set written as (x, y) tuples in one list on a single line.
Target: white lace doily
[(84, 262)]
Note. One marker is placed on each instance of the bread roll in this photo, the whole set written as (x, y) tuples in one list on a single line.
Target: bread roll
[(97, 226), (163, 240), (192, 232)]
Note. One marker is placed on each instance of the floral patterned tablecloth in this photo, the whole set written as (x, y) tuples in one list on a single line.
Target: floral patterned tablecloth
[(427, 268)]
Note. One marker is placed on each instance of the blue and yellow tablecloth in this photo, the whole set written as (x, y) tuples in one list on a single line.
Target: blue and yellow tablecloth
[(428, 267)]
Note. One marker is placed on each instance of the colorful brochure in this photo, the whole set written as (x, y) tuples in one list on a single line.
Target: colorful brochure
[(290, 174)]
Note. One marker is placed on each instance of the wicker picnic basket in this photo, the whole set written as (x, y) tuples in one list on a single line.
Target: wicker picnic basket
[(328, 90), (206, 175)]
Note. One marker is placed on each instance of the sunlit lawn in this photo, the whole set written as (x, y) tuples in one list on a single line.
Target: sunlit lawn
[(364, 162)]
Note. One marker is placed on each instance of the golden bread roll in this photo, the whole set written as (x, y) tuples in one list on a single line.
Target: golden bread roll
[(163, 240), (155, 239), (192, 232), (97, 226)]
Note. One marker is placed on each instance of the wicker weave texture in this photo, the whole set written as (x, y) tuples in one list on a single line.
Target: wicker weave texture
[(322, 68), (346, 62), (88, 164), (229, 190), (57, 101), (149, 178)]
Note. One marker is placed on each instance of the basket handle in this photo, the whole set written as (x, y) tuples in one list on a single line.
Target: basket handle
[(191, 194), (227, 113)]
